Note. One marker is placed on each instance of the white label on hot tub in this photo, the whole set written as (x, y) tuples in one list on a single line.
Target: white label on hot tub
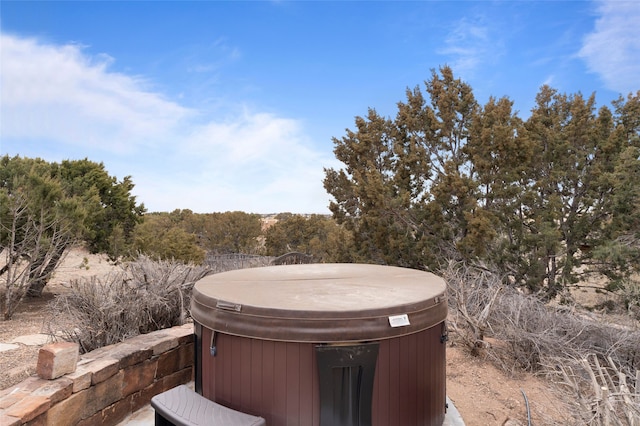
[(399, 320)]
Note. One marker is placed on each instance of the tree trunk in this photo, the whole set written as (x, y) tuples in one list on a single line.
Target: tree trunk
[(10, 303), (39, 277), (552, 280)]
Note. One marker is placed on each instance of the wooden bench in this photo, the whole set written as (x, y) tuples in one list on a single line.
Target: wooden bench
[(181, 406)]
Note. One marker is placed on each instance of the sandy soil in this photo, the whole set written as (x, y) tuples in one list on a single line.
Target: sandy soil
[(18, 364), (482, 394)]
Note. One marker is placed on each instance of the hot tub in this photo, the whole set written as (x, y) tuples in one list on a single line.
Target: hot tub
[(323, 344)]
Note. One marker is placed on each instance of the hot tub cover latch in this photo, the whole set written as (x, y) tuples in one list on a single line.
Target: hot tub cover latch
[(228, 306)]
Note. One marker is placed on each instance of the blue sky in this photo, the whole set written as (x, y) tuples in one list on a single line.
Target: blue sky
[(220, 106)]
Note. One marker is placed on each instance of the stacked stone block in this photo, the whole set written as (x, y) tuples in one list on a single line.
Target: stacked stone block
[(107, 385), (57, 359)]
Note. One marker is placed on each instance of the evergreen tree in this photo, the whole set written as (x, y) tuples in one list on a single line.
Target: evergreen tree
[(541, 201), (161, 238), (230, 232), (47, 207), (318, 236)]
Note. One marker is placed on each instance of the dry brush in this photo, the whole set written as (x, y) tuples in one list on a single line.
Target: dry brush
[(144, 296), (594, 364)]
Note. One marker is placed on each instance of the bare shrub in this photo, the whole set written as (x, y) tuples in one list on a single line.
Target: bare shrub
[(167, 285), (535, 331), (557, 343), (601, 393), (630, 294), (472, 294), (552, 341), (145, 296)]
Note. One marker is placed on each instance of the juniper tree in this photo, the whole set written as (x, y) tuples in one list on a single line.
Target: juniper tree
[(541, 200)]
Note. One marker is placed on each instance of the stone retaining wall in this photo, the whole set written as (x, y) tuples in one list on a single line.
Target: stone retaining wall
[(109, 383)]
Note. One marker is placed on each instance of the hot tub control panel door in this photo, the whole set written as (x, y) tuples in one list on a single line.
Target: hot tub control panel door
[(346, 374)]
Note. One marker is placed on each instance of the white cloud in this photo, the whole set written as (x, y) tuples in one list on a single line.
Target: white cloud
[(470, 45), (549, 81), (257, 162), (71, 101), (612, 50), (219, 49), (59, 93), (247, 137)]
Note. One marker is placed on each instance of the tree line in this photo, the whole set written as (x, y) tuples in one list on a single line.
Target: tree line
[(543, 202), (189, 236), (46, 208)]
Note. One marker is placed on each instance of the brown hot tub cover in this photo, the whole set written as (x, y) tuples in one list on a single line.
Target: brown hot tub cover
[(320, 302)]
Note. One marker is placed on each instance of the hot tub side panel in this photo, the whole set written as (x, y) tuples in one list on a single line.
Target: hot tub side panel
[(279, 380), (275, 380), (410, 382)]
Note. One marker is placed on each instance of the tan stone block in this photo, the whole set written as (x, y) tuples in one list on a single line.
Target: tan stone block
[(143, 397), (69, 411), (101, 369), (7, 391), (185, 355), (96, 419), (139, 376), (127, 354), (164, 340), (81, 378), (57, 359), (175, 360), (56, 390), (41, 420), (168, 363), (184, 333), (31, 384), (13, 397), (117, 412), (179, 378), (164, 343), (146, 341), (103, 394), (6, 420), (29, 408)]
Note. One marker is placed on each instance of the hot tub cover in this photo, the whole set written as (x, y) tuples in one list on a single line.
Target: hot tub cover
[(320, 302)]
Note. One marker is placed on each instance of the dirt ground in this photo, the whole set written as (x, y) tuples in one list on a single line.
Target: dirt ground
[(18, 364), (482, 394)]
